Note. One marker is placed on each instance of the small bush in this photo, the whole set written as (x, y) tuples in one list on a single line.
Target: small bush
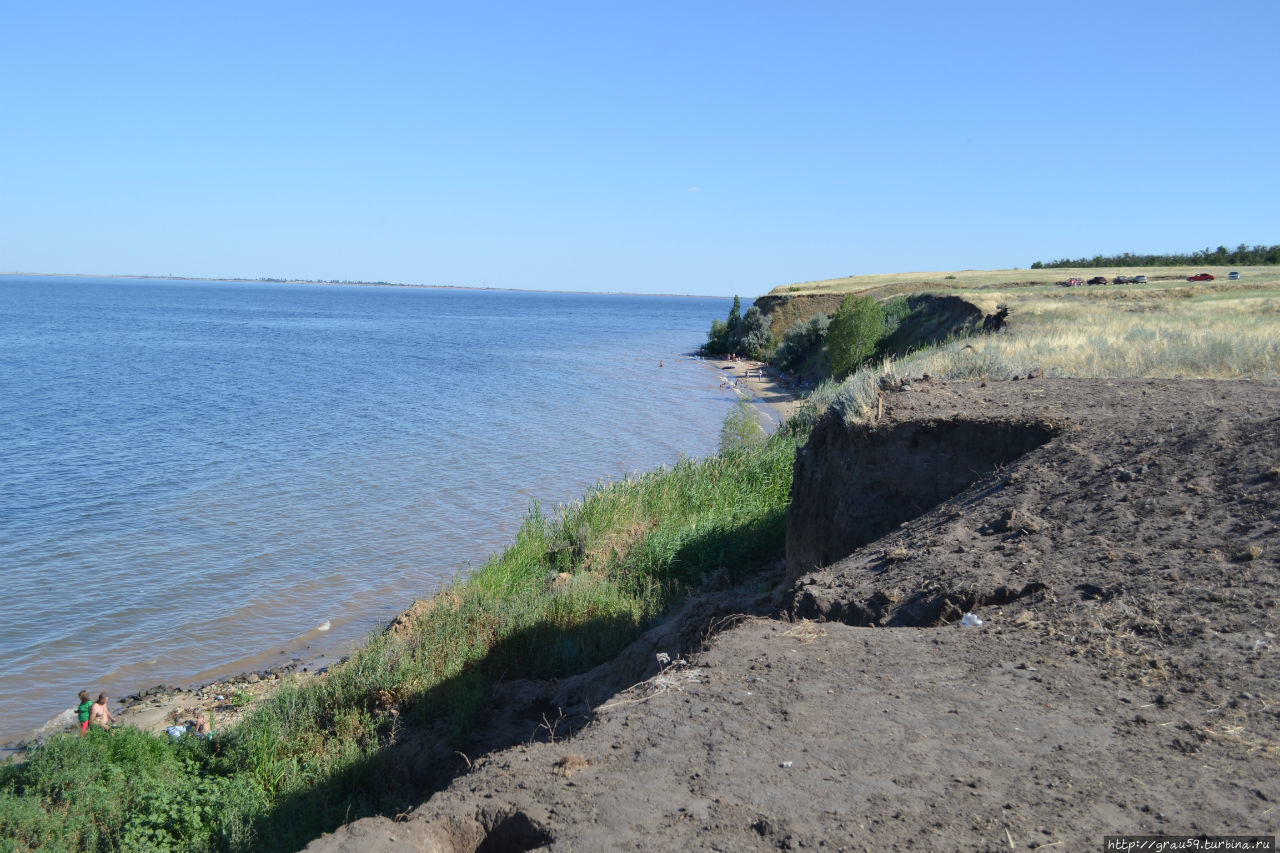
[(854, 334), (741, 430), (802, 341), (753, 339)]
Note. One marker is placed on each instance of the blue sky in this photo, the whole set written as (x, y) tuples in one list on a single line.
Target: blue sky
[(686, 147)]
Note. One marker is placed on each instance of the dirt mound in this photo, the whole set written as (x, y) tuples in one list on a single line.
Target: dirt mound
[(1124, 494), (1119, 542)]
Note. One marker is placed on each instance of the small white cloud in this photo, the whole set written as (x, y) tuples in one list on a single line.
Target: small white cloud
[(694, 190)]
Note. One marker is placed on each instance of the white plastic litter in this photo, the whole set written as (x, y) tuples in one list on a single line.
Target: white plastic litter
[(970, 620)]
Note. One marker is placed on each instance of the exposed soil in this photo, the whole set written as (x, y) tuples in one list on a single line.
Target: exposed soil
[(1120, 544)]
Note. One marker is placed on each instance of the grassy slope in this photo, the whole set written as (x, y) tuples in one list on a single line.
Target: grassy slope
[(571, 591)]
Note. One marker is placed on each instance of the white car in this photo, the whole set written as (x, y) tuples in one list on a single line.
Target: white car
[(1233, 275)]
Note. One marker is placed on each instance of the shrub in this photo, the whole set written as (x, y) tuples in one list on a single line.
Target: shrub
[(753, 338), (801, 341), (741, 429), (854, 334)]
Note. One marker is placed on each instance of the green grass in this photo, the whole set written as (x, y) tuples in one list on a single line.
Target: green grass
[(124, 790), (570, 592)]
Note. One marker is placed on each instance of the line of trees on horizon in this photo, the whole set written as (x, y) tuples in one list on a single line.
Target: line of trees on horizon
[(1242, 255)]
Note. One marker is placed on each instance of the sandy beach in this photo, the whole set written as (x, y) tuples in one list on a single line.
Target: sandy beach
[(761, 381)]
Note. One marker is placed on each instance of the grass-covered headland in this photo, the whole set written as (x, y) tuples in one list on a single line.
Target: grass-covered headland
[(574, 588), (849, 336)]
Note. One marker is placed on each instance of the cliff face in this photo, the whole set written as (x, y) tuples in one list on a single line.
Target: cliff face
[(931, 318), (784, 310), (855, 483)]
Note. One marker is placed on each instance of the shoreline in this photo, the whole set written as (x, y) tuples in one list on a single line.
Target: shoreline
[(155, 708), (778, 396), (225, 698)]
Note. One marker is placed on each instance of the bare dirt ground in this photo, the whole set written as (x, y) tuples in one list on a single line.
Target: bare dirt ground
[(1124, 679)]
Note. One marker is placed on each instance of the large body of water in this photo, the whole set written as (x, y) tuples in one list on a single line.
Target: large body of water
[(201, 478)]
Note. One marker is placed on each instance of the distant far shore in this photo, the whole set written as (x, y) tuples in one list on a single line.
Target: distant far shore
[(338, 283)]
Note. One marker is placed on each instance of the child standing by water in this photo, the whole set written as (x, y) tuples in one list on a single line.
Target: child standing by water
[(83, 710)]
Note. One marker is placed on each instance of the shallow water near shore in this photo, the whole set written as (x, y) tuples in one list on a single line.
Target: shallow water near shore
[(199, 478)]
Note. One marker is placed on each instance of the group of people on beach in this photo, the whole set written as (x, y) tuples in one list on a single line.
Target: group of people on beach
[(199, 725), (92, 713), (96, 714)]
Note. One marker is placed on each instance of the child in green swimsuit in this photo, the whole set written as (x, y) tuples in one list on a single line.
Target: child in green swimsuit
[(82, 711)]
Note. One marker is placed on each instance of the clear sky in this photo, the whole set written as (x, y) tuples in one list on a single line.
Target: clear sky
[(682, 147)]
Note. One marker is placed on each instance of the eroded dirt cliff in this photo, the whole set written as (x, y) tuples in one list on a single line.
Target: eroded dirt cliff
[(1119, 540)]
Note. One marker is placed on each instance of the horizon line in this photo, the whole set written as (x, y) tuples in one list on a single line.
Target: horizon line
[(351, 283)]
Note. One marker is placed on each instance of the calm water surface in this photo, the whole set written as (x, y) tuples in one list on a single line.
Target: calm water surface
[(198, 478)]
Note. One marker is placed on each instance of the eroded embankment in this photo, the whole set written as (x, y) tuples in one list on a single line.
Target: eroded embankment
[(1120, 541), (980, 494), (856, 482), (931, 318)]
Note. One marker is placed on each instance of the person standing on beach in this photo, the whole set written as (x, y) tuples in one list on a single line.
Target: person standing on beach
[(99, 713), (82, 711)]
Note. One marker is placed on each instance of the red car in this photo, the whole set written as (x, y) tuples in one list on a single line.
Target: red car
[(1204, 276), (1098, 279)]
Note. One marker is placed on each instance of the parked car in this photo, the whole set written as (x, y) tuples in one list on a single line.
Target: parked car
[(1122, 279), (1072, 282), (1098, 279), (1233, 275), (1203, 276), (1139, 279)]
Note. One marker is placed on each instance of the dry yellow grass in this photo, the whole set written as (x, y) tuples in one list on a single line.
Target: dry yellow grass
[(1228, 334), (1168, 328), (957, 280)]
